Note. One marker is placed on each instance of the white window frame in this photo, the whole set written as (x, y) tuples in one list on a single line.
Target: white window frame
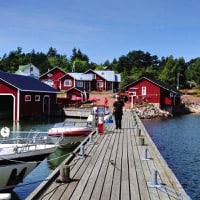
[(27, 97), (144, 90), (99, 84), (67, 82), (37, 97), (134, 94)]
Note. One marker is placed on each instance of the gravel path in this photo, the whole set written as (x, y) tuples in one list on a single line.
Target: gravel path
[(110, 98)]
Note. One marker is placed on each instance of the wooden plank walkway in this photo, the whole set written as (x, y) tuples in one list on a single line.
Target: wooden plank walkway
[(121, 164)]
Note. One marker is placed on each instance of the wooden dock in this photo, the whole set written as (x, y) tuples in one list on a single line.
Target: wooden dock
[(119, 164)]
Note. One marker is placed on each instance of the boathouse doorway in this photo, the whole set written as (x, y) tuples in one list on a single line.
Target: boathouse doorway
[(46, 105), (6, 106)]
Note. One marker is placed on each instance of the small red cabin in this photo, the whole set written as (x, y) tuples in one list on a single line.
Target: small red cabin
[(52, 77), (146, 90)]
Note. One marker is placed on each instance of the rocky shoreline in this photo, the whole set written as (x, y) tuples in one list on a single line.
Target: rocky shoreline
[(192, 107), (150, 111), (190, 104)]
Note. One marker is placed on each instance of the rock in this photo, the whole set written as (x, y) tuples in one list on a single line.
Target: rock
[(150, 111)]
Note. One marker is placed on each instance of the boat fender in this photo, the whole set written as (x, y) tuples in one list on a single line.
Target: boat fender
[(5, 132)]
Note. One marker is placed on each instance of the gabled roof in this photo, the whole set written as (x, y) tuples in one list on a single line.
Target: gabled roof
[(21, 68), (156, 82), (108, 75), (24, 67), (49, 71), (26, 83)]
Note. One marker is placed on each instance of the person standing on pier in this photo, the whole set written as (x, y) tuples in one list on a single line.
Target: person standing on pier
[(118, 112)]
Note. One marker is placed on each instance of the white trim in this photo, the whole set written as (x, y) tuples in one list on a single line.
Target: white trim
[(18, 105), (144, 90)]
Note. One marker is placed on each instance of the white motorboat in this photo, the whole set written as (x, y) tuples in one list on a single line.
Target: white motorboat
[(19, 156), (77, 112), (68, 128)]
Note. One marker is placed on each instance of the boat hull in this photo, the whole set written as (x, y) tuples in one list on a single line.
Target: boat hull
[(16, 164), (78, 132), (13, 174)]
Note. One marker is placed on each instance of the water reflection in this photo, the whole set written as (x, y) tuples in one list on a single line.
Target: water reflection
[(41, 172), (58, 156)]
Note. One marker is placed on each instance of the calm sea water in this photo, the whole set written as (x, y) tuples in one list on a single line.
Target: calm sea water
[(44, 168), (178, 140)]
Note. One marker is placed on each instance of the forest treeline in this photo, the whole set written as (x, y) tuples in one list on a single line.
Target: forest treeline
[(173, 71)]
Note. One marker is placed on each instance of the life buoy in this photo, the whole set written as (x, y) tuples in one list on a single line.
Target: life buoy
[(5, 132)]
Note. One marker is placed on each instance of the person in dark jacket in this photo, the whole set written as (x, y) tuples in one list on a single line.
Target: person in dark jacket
[(118, 112)]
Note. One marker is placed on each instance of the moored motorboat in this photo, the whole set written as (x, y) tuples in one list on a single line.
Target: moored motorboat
[(19, 156), (71, 129), (77, 112)]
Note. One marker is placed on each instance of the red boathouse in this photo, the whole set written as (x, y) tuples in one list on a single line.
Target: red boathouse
[(24, 96), (146, 90)]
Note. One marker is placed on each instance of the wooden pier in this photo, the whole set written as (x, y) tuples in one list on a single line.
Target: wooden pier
[(119, 164)]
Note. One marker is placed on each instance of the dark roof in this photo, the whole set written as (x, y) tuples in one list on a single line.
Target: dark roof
[(157, 82), (26, 83)]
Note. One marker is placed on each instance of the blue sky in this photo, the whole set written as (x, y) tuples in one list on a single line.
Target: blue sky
[(103, 30)]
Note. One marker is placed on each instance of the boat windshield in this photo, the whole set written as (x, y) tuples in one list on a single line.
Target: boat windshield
[(71, 124)]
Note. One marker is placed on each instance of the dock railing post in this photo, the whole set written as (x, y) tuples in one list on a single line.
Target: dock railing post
[(138, 131), (91, 140), (145, 154), (81, 153), (97, 130), (154, 179), (141, 141)]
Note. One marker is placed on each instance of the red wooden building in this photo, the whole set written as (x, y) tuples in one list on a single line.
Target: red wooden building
[(25, 96), (78, 80), (146, 90), (73, 96), (91, 80), (52, 77), (103, 80)]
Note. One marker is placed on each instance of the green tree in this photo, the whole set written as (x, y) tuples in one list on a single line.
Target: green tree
[(168, 74), (180, 73), (193, 71), (80, 60)]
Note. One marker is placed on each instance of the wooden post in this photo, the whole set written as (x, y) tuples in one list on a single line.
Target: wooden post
[(141, 141), (138, 132), (64, 174)]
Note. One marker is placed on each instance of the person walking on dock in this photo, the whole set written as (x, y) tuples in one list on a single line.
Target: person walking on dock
[(118, 112)]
